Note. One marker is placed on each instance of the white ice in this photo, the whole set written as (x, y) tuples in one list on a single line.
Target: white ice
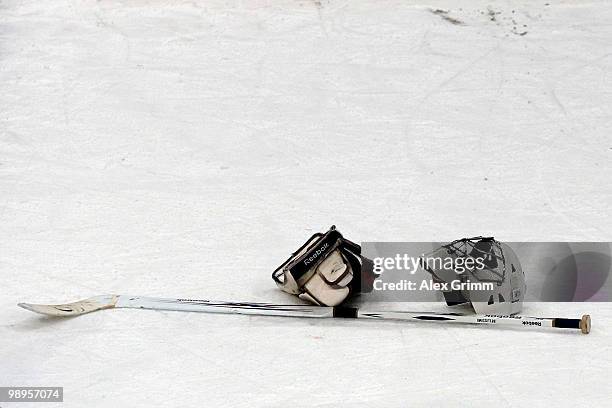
[(172, 148)]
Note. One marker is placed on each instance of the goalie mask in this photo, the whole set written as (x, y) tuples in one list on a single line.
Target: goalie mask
[(325, 270), (493, 265)]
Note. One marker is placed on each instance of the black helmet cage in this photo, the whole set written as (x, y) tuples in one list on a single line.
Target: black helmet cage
[(477, 247)]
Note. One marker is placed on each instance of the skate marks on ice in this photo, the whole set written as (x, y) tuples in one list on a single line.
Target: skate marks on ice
[(512, 21), (444, 15)]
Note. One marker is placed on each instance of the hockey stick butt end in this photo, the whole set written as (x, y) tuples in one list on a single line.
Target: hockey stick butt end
[(585, 324)]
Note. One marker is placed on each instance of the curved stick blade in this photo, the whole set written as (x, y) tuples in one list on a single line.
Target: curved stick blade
[(73, 309)]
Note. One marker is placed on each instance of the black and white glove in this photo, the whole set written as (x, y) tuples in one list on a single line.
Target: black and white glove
[(326, 270)]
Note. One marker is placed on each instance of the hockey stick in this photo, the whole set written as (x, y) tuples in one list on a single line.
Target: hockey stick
[(268, 309)]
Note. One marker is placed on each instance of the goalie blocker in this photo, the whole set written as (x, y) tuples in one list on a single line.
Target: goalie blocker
[(326, 270)]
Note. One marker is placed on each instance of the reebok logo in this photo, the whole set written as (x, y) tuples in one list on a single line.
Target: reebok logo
[(316, 254)]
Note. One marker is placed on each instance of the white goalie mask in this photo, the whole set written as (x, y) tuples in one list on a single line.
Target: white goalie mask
[(324, 271), (495, 266)]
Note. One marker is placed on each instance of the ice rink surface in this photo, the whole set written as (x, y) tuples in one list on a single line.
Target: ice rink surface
[(187, 148)]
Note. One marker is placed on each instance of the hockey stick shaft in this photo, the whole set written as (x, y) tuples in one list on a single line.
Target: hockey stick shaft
[(268, 309), (583, 324)]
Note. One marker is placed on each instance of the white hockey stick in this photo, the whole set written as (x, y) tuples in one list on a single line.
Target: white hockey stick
[(268, 309)]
